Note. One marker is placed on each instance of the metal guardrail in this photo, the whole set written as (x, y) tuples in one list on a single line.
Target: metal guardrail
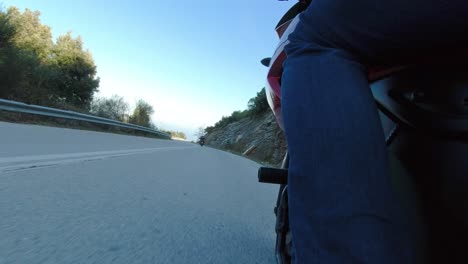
[(14, 106)]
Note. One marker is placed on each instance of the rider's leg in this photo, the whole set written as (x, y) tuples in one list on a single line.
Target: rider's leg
[(342, 208), (341, 205)]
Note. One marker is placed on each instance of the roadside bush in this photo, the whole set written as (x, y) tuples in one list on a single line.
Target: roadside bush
[(114, 107), (256, 106)]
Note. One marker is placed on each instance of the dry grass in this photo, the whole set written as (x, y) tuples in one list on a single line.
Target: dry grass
[(22, 118)]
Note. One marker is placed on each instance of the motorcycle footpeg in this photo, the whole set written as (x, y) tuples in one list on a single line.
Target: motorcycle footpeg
[(272, 175)]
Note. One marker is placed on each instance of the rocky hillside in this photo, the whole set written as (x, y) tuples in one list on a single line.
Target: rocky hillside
[(258, 138)]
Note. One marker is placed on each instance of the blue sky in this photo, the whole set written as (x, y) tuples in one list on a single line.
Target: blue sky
[(193, 60)]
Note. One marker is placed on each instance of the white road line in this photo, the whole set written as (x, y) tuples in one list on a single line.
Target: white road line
[(38, 161)]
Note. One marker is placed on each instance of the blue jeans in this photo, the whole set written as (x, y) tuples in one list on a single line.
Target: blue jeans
[(342, 206)]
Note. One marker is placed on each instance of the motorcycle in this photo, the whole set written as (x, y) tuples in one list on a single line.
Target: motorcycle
[(423, 109), (201, 141)]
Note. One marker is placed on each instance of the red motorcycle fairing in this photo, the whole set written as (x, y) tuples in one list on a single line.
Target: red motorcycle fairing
[(273, 86)]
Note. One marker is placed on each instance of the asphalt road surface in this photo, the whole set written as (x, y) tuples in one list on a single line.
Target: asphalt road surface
[(71, 196)]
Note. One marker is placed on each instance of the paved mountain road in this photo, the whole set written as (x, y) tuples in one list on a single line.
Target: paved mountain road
[(71, 196)]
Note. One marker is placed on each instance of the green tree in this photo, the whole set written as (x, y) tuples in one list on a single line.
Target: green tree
[(75, 72), (8, 76), (259, 103), (142, 114), (209, 129), (29, 33), (6, 35), (114, 107), (32, 42), (36, 70), (25, 43)]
